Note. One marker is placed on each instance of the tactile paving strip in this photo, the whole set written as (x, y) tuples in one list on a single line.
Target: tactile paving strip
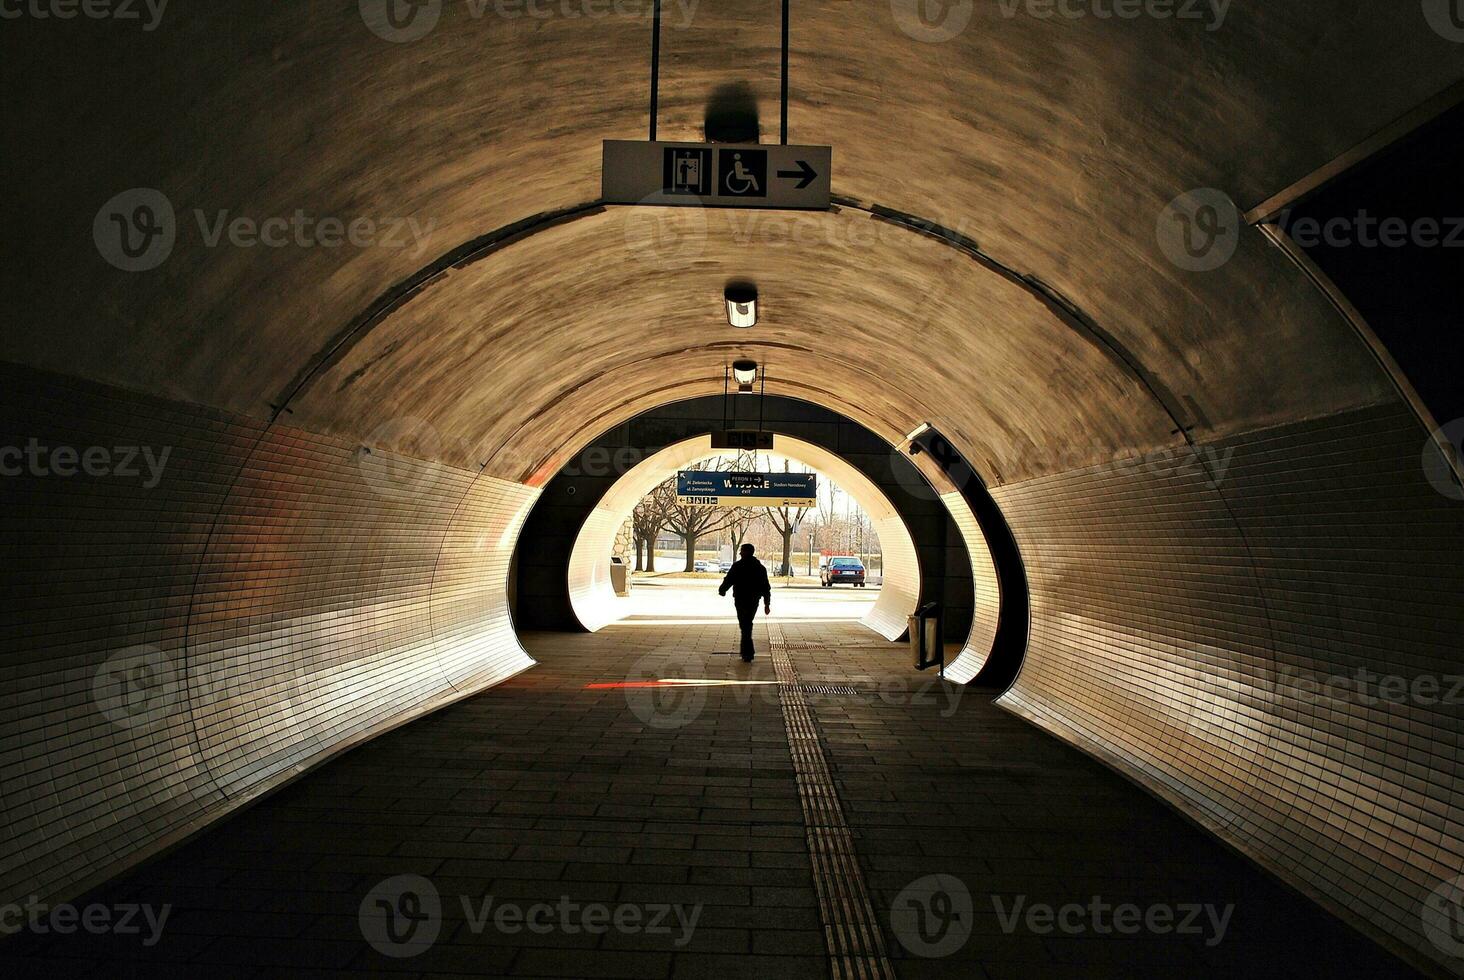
[(829, 689), (851, 930)]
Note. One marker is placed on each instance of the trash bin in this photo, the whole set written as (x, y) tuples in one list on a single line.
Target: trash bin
[(619, 576), (926, 641)]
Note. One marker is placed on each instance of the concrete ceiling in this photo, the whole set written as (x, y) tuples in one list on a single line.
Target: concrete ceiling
[(1052, 143)]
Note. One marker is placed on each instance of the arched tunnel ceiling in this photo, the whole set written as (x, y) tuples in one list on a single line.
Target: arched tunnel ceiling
[(1163, 606), (1054, 143), (476, 357)]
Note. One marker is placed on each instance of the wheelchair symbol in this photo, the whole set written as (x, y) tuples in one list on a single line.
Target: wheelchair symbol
[(744, 173), (745, 182)]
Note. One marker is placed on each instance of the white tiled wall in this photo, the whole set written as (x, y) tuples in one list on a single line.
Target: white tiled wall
[(1184, 628), (181, 647)]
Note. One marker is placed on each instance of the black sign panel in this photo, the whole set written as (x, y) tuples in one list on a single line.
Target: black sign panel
[(729, 175), (742, 439)]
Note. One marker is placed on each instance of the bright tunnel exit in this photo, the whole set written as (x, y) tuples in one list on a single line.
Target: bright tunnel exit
[(591, 590)]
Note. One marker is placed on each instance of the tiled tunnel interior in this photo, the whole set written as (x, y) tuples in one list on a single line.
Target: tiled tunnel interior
[(1139, 327)]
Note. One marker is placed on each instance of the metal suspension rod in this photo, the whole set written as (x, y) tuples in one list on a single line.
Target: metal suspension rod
[(761, 398), (655, 63), (785, 73)]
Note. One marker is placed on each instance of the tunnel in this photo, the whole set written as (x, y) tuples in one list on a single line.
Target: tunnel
[(1136, 326), (934, 546)]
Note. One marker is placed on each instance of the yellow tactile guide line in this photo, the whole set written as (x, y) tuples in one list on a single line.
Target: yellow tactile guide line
[(851, 930)]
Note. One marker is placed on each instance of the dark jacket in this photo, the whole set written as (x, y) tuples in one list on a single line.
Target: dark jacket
[(748, 580)]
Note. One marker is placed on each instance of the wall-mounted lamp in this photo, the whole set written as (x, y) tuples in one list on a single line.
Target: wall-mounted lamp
[(745, 374), (741, 299), (916, 433)]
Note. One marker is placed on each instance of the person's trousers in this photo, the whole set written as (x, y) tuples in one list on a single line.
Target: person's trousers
[(745, 613)]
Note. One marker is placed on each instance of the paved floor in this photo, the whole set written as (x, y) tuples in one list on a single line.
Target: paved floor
[(667, 600), (574, 823)]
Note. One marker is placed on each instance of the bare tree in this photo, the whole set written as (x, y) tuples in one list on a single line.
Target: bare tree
[(826, 509), (693, 523), (825, 520), (810, 538), (741, 522), (785, 521), (745, 517), (647, 520)]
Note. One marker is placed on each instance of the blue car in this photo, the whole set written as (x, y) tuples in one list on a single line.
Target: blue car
[(836, 570)]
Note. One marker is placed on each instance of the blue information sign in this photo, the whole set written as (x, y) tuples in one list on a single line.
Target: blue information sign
[(706, 489)]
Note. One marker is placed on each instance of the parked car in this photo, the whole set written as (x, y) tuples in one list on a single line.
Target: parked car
[(703, 565), (724, 566), (837, 570)]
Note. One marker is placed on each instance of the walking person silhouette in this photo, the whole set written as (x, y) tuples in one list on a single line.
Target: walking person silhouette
[(748, 580)]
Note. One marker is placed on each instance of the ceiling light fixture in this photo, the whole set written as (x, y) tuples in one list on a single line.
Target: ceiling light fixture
[(745, 374), (741, 299)]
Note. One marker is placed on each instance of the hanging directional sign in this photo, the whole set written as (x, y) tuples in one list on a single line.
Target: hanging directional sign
[(716, 175), (698, 488), (742, 439)]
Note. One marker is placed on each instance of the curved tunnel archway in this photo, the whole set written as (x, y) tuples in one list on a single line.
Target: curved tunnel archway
[(965, 562), (594, 601), (1216, 489)]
